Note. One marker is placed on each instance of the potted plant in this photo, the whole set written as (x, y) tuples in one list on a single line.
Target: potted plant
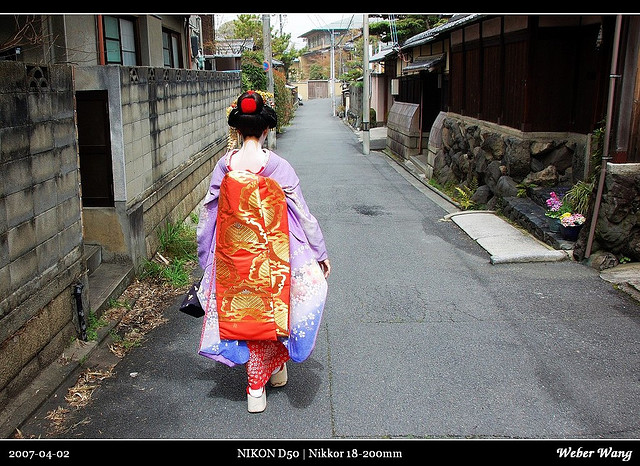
[(556, 208), (576, 202), (570, 224), (579, 196)]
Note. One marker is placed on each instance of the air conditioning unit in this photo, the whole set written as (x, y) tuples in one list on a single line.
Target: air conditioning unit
[(395, 86)]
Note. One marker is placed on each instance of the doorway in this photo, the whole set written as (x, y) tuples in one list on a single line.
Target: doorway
[(94, 146)]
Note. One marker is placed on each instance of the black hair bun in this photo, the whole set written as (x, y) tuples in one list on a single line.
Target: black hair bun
[(249, 106), (270, 116)]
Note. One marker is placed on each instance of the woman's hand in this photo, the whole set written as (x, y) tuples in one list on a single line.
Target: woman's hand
[(325, 265)]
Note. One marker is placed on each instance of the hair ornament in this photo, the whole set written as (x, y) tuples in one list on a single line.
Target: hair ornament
[(248, 105)]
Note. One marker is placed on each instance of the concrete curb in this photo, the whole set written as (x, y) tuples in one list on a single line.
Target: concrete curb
[(626, 277), (504, 242)]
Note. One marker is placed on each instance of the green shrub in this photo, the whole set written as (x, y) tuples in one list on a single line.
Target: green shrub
[(179, 254)]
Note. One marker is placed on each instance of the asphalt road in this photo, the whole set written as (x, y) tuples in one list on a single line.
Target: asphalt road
[(422, 337)]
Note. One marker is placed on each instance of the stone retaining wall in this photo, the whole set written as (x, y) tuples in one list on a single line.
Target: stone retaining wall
[(617, 231), (499, 160)]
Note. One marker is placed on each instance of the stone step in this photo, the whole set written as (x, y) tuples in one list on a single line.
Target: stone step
[(108, 282), (539, 194), (93, 254), (531, 216)]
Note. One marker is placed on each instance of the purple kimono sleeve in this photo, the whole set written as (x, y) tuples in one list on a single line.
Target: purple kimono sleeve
[(308, 222), (286, 176), (206, 230)]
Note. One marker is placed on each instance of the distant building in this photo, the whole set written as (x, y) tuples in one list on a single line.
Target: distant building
[(228, 54), (319, 43)]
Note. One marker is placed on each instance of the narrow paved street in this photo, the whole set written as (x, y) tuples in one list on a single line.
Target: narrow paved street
[(422, 337)]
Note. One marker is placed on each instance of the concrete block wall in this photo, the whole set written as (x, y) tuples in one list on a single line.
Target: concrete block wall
[(41, 241), (168, 115), (167, 129), (174, 129), (167, 135)]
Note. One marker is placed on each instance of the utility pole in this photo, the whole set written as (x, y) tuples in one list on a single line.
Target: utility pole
[(365, 87), (607, 134), (331, 84), (268, 64)]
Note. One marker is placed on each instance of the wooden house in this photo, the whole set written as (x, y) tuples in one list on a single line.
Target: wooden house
[(520, 97)]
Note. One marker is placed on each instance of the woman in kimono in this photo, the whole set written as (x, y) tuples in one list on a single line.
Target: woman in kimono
[(264, 259)]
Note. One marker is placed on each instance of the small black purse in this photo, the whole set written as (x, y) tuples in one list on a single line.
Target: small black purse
[(191, 304)]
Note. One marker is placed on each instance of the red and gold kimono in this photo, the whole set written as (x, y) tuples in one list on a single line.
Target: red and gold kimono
[(262, 290), (253, 276)]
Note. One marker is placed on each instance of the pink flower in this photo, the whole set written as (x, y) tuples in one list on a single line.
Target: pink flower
[(554, 203), (572, 220)]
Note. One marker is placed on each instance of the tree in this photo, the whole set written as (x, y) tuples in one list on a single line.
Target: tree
[(404, 26), (26, 31), (283, 98), (287, 58), (253, 75), (317, 71), (248, 27), (226, 30), (279, 43), (355, 66), (280, 47)]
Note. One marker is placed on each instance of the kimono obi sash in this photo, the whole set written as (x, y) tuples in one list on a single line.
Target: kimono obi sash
[(253, 274)]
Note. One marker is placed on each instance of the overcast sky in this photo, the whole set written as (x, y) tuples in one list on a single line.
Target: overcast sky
[(294, 23)]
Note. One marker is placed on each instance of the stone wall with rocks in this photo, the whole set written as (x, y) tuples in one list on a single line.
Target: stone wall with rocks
[(617, 232), (497, 159)]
